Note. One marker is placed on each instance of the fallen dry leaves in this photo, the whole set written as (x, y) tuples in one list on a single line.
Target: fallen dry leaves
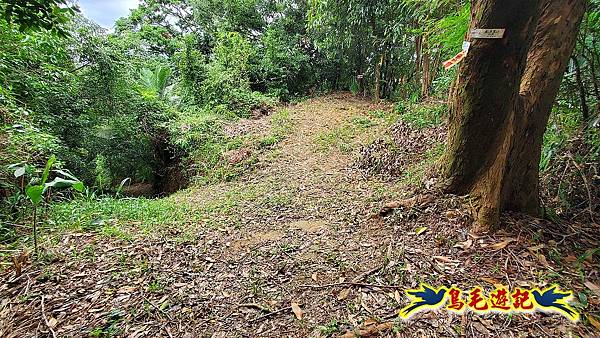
[(368, 330), (500, 245), (593, 287), (343, 294), (297, 310), (239, 272), (595, 322)]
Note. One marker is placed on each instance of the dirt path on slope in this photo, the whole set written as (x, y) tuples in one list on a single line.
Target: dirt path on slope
[(294, 231)]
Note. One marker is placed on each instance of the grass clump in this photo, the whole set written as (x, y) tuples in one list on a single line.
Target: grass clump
[(422, 116), (340, 138), (343, 137), (107, 215), (414, 174)]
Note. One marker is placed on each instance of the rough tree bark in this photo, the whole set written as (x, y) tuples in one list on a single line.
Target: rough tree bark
[(484, 95), (501, 102), (547, 61)]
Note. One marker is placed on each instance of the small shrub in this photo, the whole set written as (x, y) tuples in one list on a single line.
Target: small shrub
[(102, 172)]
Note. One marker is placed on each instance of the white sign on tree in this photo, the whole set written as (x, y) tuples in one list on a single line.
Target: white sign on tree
[(488, 33)]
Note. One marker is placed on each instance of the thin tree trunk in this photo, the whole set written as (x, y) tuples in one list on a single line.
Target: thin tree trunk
[(361, 68), (388, 76), (425, 75), (501, 101), (378, 78), (585, 111), (35, 243), (434, 68), (592, 63), (418, 48)]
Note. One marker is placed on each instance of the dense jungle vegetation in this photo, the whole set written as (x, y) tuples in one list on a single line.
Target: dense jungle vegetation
[(100, 126)]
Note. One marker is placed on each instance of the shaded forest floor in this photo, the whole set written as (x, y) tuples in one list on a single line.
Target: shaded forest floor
[(307, 224)]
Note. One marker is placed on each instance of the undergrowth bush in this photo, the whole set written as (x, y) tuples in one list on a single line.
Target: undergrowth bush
[(226, 87), (282, 68), (421, 116), (198, 133), (569, 164)]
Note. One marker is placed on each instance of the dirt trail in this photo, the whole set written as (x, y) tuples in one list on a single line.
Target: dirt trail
[(301, 219)]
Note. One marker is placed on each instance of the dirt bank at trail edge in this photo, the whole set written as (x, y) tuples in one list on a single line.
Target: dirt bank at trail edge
[(303, 219)]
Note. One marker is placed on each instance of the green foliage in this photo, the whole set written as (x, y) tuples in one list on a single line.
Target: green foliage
[(567, 166), (422, 116), (449, 32), (378, 114), (90, 214), (35, 192), (343, 137), (153, 83), (27, 143), (564, 127), (154, 93), (226, 87), (32, 15), (191, 63), (332, 327), (158, 24), (281, 124), (363, 122), (242, 16), (39, 186), (103, 179), (382, 38), (32, 71), (340, 138), (282, 68), (199, 134)]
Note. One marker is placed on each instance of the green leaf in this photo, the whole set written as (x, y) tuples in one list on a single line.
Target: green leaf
[(583, 299), (60, 182), (66, 174), (49, 165), (123, 182), (35, 193), (420, 230), (79, 186)]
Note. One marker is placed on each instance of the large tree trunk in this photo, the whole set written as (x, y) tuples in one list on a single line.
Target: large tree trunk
[(501, 101), (547, 61), (484, 96)]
